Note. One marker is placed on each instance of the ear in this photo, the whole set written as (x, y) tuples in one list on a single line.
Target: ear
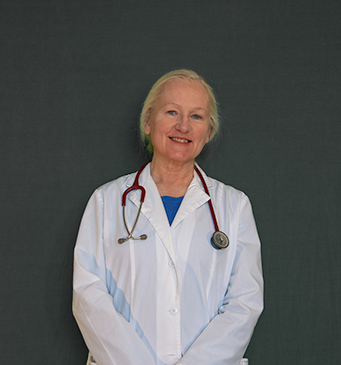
[(146, 127)]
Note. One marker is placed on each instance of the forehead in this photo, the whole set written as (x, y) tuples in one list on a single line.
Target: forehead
[(184, 90)]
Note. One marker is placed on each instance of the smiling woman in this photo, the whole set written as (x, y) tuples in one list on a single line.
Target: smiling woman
[(178, 129), (157, 90), (164, 300)]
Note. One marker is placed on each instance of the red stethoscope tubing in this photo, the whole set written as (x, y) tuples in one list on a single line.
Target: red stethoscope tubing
[(210, 201), (219, 239), (135, 186)]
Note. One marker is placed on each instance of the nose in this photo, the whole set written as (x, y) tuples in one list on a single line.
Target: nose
[(183, 124)]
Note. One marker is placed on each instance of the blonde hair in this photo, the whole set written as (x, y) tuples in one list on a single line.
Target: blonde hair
[(156, 91)]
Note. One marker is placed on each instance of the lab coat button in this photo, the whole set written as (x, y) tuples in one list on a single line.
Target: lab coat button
[(171, 264), (173, 311)]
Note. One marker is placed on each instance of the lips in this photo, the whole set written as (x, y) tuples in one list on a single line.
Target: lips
[(181, 140)]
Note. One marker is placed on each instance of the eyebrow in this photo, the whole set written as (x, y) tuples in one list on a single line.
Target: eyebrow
[(177, 105)]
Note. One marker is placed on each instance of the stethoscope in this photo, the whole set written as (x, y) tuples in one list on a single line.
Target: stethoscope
[(219, 239)]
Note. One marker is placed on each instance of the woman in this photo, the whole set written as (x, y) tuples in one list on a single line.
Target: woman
[(172, 298)]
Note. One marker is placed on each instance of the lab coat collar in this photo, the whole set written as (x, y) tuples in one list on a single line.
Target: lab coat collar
[(145, 175), (154, 211), (194, 198)]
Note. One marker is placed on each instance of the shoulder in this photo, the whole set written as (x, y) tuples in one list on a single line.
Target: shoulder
[(219, 191), (223, 192), (114, 187), (122, 181)]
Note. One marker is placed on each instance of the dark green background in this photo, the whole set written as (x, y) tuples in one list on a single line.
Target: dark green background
[(73, 77)]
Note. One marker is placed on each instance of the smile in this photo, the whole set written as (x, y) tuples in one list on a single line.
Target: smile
[(179, 140)]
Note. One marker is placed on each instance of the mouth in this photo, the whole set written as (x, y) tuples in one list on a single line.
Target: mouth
[(181, 140)]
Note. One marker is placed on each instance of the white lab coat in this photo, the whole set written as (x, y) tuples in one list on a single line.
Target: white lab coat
[(173, 298)]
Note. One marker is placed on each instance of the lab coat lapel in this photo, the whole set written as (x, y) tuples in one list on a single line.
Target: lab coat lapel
[(153, 210), (194, 198)]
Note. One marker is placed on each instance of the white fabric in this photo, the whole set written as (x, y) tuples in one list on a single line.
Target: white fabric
[(173, 298), (91, 361)]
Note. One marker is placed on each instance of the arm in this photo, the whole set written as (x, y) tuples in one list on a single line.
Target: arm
[(108, 335), (225, 338)]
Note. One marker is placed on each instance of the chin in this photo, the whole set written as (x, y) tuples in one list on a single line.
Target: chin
[(178, 158)]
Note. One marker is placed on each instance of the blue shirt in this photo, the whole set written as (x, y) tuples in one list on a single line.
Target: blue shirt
[(171, 205)]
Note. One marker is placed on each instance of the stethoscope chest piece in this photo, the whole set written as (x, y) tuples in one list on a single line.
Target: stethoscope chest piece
[(219, 240)]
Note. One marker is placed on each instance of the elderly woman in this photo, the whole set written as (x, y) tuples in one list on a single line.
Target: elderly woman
[(156, 287)]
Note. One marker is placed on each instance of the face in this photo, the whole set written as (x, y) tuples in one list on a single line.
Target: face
[(179, 126)]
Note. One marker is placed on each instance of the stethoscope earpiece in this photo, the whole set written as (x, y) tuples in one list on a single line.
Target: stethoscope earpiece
[(122, 240)]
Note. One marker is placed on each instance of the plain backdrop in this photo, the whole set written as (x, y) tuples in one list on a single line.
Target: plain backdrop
[(73, 77)]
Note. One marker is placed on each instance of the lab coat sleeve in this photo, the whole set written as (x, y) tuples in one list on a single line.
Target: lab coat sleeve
[(109, 336), (225, 338)]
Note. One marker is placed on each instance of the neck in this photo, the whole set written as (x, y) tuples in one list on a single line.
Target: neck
[(172, 179)]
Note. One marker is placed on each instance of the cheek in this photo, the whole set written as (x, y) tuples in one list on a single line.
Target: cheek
[(157, 128)]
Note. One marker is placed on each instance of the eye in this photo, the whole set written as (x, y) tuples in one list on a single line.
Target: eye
[(171, 112), (196, 116)]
